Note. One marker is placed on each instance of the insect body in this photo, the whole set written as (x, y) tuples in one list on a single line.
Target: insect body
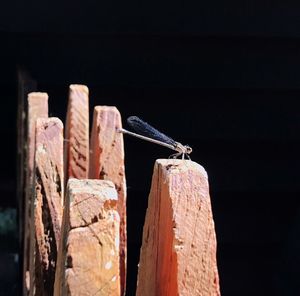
[(148, 133)]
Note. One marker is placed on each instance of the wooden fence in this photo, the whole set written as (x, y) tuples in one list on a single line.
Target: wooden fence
[(72, 205)]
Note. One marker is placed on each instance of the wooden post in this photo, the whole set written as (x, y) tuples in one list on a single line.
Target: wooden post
[(49, 192), (178, 254), (88, 259), (107, 163), (25, 85), (77, 133), (37, 107)]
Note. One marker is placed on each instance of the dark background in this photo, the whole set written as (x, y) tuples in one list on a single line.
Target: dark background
[(221, 76)]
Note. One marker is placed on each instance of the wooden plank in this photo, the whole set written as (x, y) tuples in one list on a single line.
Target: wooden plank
[(37, 107), (88, 258), (107, 163), (178, 254), (49, 192), (77, 133)]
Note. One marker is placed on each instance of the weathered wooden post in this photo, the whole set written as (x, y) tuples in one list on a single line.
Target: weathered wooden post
[(48, 205), (107, 163), (77, 133), (178, 254), (37, 108), (88, 259)]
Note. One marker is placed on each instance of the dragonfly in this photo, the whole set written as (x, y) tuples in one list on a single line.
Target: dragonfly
[(145, 131)]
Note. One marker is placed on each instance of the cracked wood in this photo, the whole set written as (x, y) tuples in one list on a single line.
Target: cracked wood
[(37, 107), (178, 254), (88, 262), (49, 194), (107, 163), (77, 133)]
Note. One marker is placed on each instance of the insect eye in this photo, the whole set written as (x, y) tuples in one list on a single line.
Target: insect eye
[(189, 149)]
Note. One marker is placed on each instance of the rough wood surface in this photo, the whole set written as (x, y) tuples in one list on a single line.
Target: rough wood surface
[(77, 133), (37, 108), (107, 162), (49, 192), (88, 261), (178, 254)]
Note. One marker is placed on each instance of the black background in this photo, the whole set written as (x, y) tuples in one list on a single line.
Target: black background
[(221, 76)]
